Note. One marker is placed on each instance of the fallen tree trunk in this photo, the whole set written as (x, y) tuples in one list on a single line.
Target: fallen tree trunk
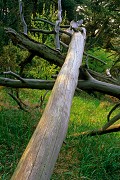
[(88, 84), (39, 158), (43, 51), (28, 83)]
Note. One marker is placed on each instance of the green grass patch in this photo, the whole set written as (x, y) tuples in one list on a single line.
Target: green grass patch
[(94, 158)]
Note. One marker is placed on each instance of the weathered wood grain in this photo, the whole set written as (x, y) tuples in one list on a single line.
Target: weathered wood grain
[(39, 158)]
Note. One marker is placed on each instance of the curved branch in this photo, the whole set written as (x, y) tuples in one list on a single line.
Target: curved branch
[(113, 109), (94, 85), (44, 20), (15, 75), (49, 32), (112, 121), (102, 77)]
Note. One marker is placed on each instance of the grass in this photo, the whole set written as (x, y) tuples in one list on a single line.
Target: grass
[(90, 158)]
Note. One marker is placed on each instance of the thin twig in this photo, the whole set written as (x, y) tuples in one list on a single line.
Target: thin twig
[(49, 22), (114, 128), (15, 75), (49, 32), (89, 55), (42, 31), (18, 102), (43, 98)]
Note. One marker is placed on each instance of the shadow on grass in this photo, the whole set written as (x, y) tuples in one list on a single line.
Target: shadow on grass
[(16, 128)]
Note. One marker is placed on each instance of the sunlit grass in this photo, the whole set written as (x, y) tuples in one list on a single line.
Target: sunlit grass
[(94, 158)]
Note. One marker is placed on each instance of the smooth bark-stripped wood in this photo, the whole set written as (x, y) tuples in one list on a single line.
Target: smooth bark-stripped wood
[(39, 158), (22, 16), (57, 26)]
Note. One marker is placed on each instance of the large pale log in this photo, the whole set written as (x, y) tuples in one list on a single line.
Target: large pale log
[(39, 158)]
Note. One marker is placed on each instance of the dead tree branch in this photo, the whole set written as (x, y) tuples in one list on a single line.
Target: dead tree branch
[(49, 22), (22, 16), (25, 62), (92, 84), (57, 26), (42, 31), (18, 102), (39, 49), (103, 77), (87, 82), (93, 57), (15, 75), (112, 121), (49, 32), (42, 98), (114, 128)]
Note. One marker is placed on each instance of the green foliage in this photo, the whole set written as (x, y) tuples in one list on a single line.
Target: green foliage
[(103, 55), (3, 38), (11, 57), (40, 69), (69, 7)]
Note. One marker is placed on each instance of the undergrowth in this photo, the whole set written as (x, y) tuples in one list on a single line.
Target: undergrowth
[(90, 158)]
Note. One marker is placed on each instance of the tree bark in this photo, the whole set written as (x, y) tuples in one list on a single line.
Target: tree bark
[(36, 48), (39, 158), (91, 84)]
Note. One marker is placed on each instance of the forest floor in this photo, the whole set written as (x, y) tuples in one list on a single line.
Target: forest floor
[(82, 158)]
